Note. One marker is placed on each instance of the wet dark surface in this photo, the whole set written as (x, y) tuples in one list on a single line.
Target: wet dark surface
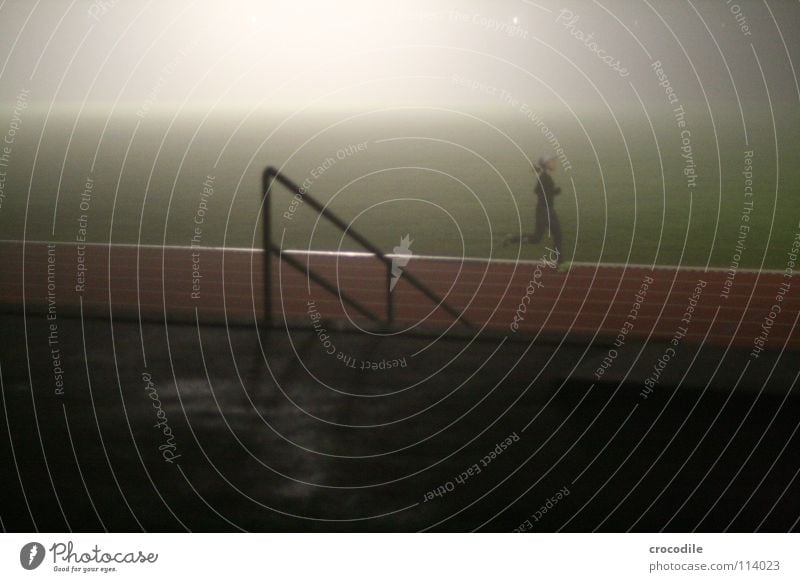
[(270, 434)]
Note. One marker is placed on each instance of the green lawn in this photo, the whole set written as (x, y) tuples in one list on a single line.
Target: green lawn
[(454, 187)]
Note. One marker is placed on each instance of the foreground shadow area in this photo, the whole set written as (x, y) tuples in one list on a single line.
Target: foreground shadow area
[(156, 427)]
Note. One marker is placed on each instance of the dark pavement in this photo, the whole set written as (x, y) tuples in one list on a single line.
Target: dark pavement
[(179, 427)]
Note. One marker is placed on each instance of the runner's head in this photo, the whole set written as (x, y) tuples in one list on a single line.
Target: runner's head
[(547, 163)]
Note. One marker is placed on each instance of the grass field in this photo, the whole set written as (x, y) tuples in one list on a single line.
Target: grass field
[(456, 184)]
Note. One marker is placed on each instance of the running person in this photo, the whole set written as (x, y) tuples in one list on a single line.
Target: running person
[(546, 190), (546, 216)]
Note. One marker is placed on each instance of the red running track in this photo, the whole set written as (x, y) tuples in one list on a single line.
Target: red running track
[(587, 300)]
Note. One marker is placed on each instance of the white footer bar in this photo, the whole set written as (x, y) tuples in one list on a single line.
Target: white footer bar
[(399, 557)]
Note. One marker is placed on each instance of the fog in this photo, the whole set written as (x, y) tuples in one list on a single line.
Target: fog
[(649, 107), (356, 53)]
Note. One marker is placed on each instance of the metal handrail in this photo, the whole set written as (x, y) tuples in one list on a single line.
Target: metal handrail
[(270, 175)]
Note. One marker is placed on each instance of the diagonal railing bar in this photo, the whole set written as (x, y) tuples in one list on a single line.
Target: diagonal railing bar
[(271, 174), (323, 282)]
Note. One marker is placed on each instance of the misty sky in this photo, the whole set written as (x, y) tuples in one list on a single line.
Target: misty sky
[(360, 53)]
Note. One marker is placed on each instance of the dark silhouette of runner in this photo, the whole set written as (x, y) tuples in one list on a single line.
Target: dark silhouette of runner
[(546, 216), (546, 190)]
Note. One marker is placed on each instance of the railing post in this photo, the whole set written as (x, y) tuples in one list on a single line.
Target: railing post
[(389, 301), (266, 186)]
